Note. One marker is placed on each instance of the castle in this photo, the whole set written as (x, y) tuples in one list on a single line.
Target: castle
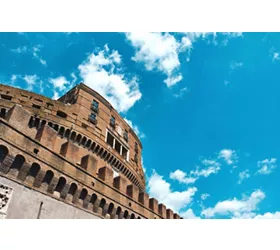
[(74, 157)]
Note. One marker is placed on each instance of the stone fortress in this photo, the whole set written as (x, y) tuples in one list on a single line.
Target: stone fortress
[(71, 158)]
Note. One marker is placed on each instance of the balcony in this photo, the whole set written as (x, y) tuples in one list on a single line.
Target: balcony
[(92, 119), (94, 108), (112, 123)]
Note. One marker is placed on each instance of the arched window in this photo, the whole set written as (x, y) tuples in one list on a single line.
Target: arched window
[(3, 153), (83, 194), (138, 217), (73, 189), (18, 162), (132, 216), (110, 209), (102, 203), (78, 139), (60, 185), (56, 127), (84, 141), (97, 148), (61, 131), (118, 211), (48, 177), (61, 114), (92, 146), (88, 143), (93, 199), (125, 215), (34, 170), (67, 133), (37, 122), (101, 151), (43, 122), (50, 124), (104, 154), (73, 135), (31, 121)]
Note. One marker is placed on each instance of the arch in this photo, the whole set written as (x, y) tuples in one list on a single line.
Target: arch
[(43, 122), (56, 127), (31, 122), (73, 188), (132, 216), (138, 217), (83, 194), (84, 140), (121, 168), (92, 146), (60, 185), (3, 113), (50, 124), (18, 162), (67, 133), (111, 158), (110, 208), (78, 138), (100, 151), (73, 136), (125, 215), (118, 211), (3, 153), (93, 199), (108, 156), (48, 177), (37, 122), (88, 143), (97, 148), (102, 203), (34, 170), (113, 162), (104, 154), (61, 131)]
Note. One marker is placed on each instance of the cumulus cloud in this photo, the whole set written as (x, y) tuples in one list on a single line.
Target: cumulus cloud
[(268, 215), (236, 208), (243, 175), (266, 166), (161, 190), (212, 167), (102, 72), (189, 214), (228, 155), (135, 128)]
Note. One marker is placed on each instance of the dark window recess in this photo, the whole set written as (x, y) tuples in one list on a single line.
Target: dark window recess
[(118, 146), (124, 152), (24, 95), (6, 97), (112, 121), (38, 100), (61, 114), (36, 106), (136, 148), (136, 158), (94, 106), (125, 135), (92, 118), (36, 151), (110, 139), (84, 125)]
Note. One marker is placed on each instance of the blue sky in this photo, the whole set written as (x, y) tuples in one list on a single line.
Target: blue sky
[(205, 106)]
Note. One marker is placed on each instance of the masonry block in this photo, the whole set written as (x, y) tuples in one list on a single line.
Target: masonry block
[(70, 151), (132, 191), (106, 174), (153, 204), (120, 183), (176, 216), (47, 136), (169, 214), (18, 117), (89, 163), (162, 210), (144, 199)]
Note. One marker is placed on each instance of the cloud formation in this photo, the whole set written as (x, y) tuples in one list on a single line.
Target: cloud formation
[(267, 166)]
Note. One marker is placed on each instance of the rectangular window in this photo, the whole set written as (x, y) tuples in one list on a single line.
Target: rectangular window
[(125, 135), (95, 106), (6, 97), (112, 121), (118, 146), (124, 153), (92, 118), (36, 106), (110, 139)]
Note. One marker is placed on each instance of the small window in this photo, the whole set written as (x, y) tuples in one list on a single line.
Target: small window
[(110, 139), (36, 106), (61, 114), (112, 121), (24, 95), (38, 100), (124, 153), (136, 148), (92, 118), (118, 146), (95, 106), (6, 97), (84, 125), (49, 105), (136, 158), (125, 135)]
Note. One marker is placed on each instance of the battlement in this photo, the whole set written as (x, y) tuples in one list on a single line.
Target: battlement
[(61, 160)]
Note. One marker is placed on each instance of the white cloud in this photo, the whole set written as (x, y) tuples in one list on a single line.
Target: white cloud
[(213, 167), (159, 51), (228, 155), (13, 79), (160, 189), (60, 83), (236, 208), (243, 175), (20, 50), (268, 215), (266, 166), (55, 95), (135, 128), (101, 71), (204, 196), (181, 92), (31, 80), (189, 214), (275, 56)]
